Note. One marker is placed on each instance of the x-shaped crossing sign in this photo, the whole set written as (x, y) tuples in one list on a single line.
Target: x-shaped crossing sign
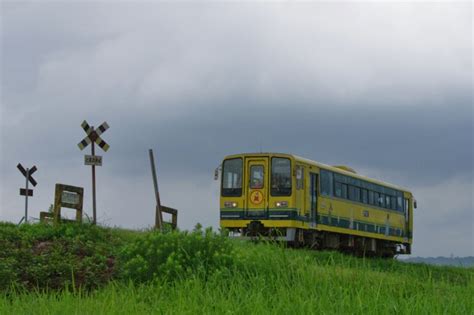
[(26, 191), (28, 175), (93, 135)]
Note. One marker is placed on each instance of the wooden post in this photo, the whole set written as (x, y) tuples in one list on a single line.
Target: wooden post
[(158, 213)]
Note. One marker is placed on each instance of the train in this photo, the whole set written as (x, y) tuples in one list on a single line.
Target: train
[(304, 203)]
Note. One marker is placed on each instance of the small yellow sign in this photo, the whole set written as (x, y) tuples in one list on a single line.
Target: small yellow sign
[(256, 197)]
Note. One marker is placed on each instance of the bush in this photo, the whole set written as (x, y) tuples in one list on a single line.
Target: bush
[(54, 257), (175, 255), (38, 256)]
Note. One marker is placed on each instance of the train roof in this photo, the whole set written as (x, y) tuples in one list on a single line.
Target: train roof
[(322, 165)]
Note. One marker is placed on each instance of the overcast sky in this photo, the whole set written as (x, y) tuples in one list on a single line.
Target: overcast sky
[(383, 88)]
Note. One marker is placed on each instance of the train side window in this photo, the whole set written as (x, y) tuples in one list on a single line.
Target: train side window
[(387, 202), (338, 189), (393, 203), (351, 194), (400, 203), (344, 191), (354, 193), (357, 193), (364, 195), (381, 201), (326, 183), (376, 198), (371, 197)]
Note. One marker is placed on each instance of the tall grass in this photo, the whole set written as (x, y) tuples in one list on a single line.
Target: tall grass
[(263, 279)]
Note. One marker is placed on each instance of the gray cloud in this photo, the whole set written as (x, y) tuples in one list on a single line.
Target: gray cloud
[(384, 88)]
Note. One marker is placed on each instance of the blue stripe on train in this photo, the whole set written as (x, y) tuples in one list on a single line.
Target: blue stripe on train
[(292, 214)]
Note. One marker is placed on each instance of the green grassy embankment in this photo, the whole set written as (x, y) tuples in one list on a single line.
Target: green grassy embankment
[(92, 270)]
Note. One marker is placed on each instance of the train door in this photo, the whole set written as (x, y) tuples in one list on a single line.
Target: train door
[(313, 198), (300, 195), (406, 209), (257, 187)]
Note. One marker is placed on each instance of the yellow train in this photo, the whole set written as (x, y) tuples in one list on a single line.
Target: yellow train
[(306, 203)]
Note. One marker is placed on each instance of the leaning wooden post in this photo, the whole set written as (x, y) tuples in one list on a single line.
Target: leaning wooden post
[(158, 213)]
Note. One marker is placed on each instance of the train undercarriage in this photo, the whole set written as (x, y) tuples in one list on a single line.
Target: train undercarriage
[(322, 240)]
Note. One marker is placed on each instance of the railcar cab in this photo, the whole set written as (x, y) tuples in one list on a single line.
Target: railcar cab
[(304, 202), (255, 188)]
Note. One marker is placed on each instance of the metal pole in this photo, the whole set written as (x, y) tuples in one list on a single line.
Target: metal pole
[(26, 194), (94, 213), (158, 213)]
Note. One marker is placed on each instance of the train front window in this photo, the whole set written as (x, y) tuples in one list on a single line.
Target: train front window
[(256, 176), (281, 177), (232, 178)]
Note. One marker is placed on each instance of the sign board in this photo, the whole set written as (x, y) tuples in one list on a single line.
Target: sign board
[(93, 160), (68, 197), (71, 198), (23, 192)]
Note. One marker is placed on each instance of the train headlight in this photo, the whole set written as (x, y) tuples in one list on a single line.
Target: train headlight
[(230, 204), (281, 204)]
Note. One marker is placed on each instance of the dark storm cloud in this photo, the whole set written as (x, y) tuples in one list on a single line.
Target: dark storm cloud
[(386, 89), (413, 141)]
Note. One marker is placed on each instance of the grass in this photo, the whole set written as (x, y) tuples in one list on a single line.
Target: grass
[(260, 279)]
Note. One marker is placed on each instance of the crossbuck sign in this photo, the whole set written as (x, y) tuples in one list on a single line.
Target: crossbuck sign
[(93, 137), (26, 191)]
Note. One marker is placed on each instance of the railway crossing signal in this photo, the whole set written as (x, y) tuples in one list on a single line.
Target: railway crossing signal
[(93, 136), (26, 191)]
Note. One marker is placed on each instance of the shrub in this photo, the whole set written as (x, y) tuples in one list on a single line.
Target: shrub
[(174, 255), (54, 257)]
